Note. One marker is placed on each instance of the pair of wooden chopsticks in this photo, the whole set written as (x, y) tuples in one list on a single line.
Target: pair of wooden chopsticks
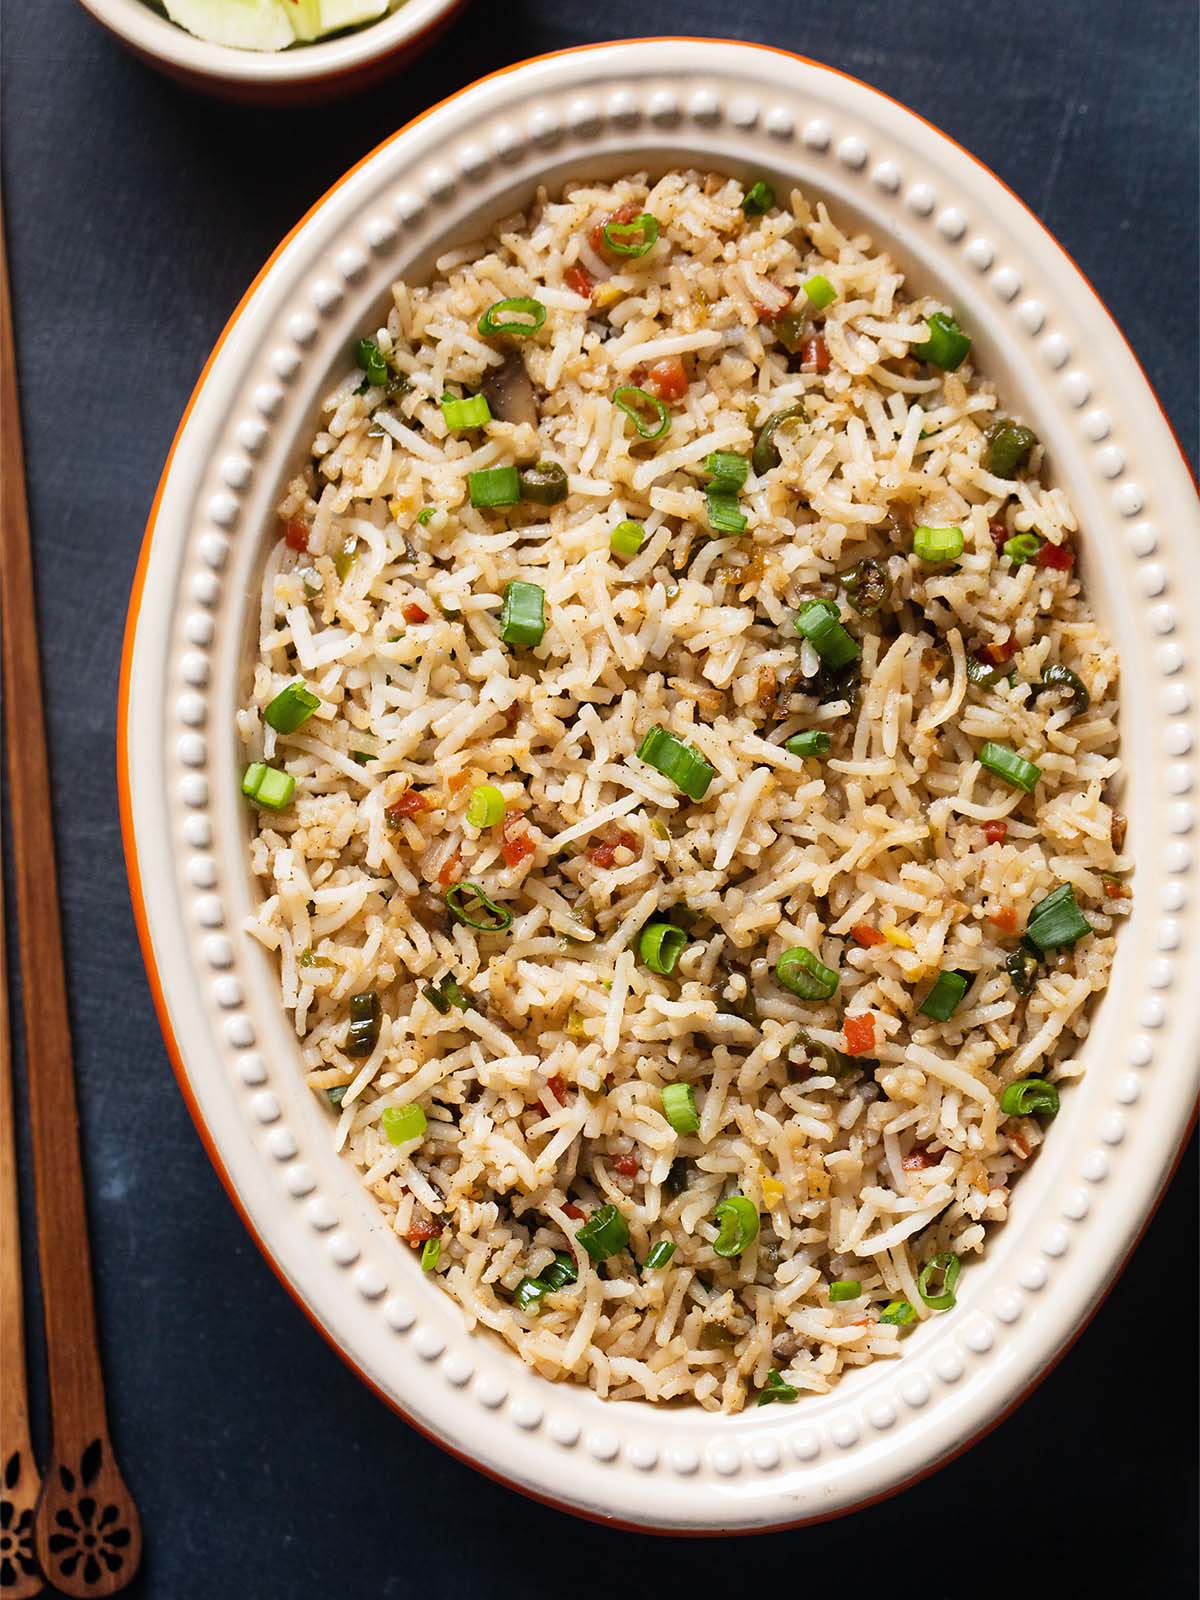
[(79, 1524)]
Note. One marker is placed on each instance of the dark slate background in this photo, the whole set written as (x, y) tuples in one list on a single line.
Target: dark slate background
[(137, 215)]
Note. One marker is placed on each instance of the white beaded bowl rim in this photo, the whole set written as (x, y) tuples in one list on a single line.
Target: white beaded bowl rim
[(152, 34), (1041, 332)]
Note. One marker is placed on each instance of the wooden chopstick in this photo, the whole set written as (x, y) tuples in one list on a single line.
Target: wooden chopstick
[(80, 1554)]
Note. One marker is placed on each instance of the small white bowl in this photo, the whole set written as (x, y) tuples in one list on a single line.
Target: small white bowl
[(1054, 351), (304, 73)]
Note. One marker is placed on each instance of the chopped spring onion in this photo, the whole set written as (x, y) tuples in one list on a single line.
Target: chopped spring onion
[(268, 786), (1021, 966), (627, 538), (634, 238), (946, 346), (402, 1123), (1056, 676), (937, 544), (337, 1094), (1022, 548), (812, 742), (845, 1289), (1056, 920), (660, 1254), (460, 415), (1026, 1096), (523, 614), (897, 1313), (637, 404), (1007, 447), (820, 291), (818, 622), (799, 970), (984, 676), (485, 808), (604, 1233), (370, 359), (723, 513), (867, 586), (737, 1220), (758, 199), (1004, 763), (365, 1017), (528, 1293), (944, 998), (457, 996), (728, 471), (561, 1271), (494, 486), (544, 484), (514, 311), (766, 451), (660, 945), (679, 1107), (426, 515), (682, 763), (836, 1063), (291, 708), (500, 916), (946, 1267), (431, 1254), (776, 1389), (436, 999)]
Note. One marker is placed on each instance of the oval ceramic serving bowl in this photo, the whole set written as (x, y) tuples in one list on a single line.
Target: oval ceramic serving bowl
[(1053, 350), (304, 73)]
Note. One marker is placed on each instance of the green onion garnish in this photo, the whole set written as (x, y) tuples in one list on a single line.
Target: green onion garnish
[(637, 404), (943, 999), (845, 1289), (766, 451), (632, 238), (337, 1094), (984, 676), (545, 484), (485, 808), (1056, 676), (679, 1107), (682, 763), (818, 621), (937, 544), (402, 1123), (604, 1233), (369, 357), (660, 1254), (1022, 548), (561, 1271), (523, 614), (426, 515), (723, 513), (291, 708), (944, 1266), (1004, 763), (514, 311), (1008, 445), (1056, 920), (1027, 1096), (500, 917), (820, 291), (365, 1017), (799, 970), (897, 1313), (867, 586), (436, 999), (431, 1254), (728, 471), (776, 1389), (494, 486), (737, 1220), (268, 786), (528, 1293), (627, 538), (758, 199), (1021, 966), (660, 945), (460, 415), (946, 346), (457, 996), (812, 742)]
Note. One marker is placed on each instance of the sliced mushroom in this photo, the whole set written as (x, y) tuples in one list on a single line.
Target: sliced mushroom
[(509, 391)]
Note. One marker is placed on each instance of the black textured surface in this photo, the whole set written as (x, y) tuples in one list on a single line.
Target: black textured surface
[(137, 214)]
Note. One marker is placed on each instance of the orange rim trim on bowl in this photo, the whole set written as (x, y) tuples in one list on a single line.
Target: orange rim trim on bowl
[(139, 904)]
